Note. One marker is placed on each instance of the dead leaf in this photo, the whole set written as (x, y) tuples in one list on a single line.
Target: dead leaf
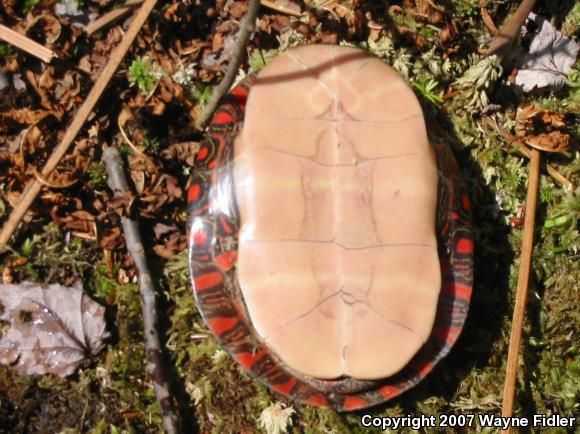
[(538, 129), (23, 116), (81, 224), (551, 57), (555, 141), (52, 328), (213, 60), (175, 243), (46, 26), (183, 152), (430, 11), (524, 119), (529, 118), (111, 238)]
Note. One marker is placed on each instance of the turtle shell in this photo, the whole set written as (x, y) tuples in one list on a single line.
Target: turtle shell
[(225, 268)]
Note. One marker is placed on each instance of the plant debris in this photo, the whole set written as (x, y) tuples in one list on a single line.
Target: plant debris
[(53, 328), (529, 120), (277, 418)]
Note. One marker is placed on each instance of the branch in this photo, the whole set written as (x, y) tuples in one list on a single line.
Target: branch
[(26, 44), (34, 187), (522, 289), (246, 29), (111, 16), (503, 41), (289, 7), (155, 369)]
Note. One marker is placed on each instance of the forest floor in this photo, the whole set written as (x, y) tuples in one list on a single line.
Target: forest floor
[(148, 110)]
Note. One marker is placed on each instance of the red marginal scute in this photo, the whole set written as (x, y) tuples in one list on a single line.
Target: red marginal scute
[(465, 202), (200, 237), (389, 391), (453, 335), (353, 403), (424, 368), (202, 154), (207, 280), (464, 245), (285, 388), (241, 93), (317, 401), (222, 117), (227, 227), (457, 290), (241, 96), (248, 359), (227, 260), (221, 324), (193, 193)]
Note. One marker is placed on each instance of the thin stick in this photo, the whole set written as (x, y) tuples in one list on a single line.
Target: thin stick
[(552, 171), (155, 367), (522, 288), (26, 44), (246, 29), (111, 16), (503, 41), (281, 8), (34, 187)]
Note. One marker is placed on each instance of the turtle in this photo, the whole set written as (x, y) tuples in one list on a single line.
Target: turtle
[(330, 241)]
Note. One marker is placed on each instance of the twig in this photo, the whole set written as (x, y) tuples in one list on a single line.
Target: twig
[(246, 29), (488, 22), (26, 44), (522, 288), (503, 41), (281, 8), (155, 369), (34, 187), (523, 150), (111, 16)]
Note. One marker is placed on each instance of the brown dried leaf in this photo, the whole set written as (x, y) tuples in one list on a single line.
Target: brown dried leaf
[(555, 141), (10, 7), (448, 32), (52, 328), (172, 187), (111, 239), (161, 229), (46, 26), (553, 119), (537, 126), (430, 11), (226, 47), (524, 119), (23, 116), (82, 224), (122, 202), (175, 243), (547, 119), (184, 152)]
